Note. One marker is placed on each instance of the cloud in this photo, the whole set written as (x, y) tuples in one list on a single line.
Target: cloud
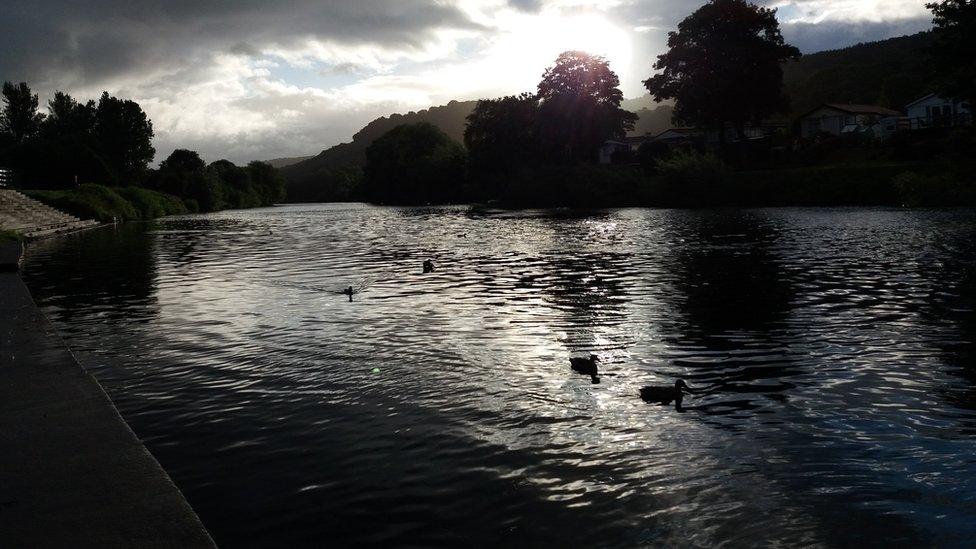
[(830, 35)]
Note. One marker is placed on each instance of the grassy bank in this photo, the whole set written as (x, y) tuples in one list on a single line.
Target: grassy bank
[(10, 236), (694, 181), (104, 204)]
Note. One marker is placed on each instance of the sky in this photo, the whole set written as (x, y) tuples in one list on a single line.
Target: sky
[(254, 80)]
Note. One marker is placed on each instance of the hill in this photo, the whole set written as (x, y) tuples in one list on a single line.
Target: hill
[(330, 174), (890, 73), (282, 162)]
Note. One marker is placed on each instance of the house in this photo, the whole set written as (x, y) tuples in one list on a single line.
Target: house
[(713, 138), (935, 111), (676, 136), (843, 119), (612, 148)]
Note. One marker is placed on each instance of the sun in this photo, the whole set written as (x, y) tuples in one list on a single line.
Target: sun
[(530, 44), (590, 33)]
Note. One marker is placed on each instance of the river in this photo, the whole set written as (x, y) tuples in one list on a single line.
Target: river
[(833, 350)]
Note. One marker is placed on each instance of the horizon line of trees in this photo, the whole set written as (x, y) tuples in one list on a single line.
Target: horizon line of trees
[(109, 142)]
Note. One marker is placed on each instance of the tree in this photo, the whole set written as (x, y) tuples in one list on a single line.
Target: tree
[(184, 174), (414, 164), (68, 118), (182, 160), (124, 135), (500, 133), (954, 51), (724, 65), (239, 192), (20, 119), (579, 107), (267, 181)]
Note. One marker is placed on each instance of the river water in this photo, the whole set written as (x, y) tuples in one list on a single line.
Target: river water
[(834, 351)]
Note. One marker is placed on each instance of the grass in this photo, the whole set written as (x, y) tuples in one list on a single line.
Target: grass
[(10, 236), (104, 204)]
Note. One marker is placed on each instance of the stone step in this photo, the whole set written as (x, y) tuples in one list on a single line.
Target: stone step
[(34, 219)]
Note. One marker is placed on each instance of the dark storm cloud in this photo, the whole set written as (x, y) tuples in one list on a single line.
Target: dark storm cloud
[(86, 42)]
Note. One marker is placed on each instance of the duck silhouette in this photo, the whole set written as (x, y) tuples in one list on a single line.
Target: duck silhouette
[(428, 266), (349, 292), (663, 394), (586, 366)]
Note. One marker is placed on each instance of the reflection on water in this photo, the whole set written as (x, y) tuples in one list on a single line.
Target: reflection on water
[(835, 347)]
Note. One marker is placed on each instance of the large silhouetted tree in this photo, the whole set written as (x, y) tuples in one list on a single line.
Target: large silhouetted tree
[(68, 118), (954, 52), (579, 107), (124, 135), (414, 164), (500, 133), (20, 119), (183, 173), (724, 66)]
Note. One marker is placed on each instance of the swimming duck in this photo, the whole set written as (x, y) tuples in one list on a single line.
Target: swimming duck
[(663, 394), (586, 366), (428, 266), (349, 292)]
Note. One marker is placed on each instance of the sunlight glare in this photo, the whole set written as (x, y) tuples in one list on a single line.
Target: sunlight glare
[(533, 43)]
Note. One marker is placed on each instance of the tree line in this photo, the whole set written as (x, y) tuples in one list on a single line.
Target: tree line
[(109, 142)]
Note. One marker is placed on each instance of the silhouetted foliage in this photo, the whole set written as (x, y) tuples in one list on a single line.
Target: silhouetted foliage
[(68, 118), (579, 108), (415, 163), (184, 174), (724, 65), (954, 50), (20, 119), (124, 135), (649, 154), (500, 135), (267, 181)]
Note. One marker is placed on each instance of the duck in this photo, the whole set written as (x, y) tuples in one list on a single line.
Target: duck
[(349, 292), (662, 394), (428, 266), (586, 366)]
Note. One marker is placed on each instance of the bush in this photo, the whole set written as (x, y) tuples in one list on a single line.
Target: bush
[(89, 201), (152, 204), (941, 190), (690, 178), (10, 236), (580, 186)]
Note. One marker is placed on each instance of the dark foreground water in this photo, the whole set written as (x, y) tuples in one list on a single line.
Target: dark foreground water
[(836, 347)]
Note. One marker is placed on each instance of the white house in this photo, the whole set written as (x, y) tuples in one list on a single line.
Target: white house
[(935, 111), (841, 119)]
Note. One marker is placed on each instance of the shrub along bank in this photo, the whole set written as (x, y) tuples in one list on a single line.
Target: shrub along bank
[(91, 201)]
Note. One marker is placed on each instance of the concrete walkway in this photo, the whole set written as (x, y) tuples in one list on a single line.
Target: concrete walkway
[(72, 473)]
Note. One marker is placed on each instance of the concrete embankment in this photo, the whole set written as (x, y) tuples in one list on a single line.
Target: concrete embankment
[(72, 473), (35, 220)]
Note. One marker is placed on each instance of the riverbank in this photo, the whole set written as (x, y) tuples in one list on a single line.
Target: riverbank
[(107, 204), (73, 473)]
